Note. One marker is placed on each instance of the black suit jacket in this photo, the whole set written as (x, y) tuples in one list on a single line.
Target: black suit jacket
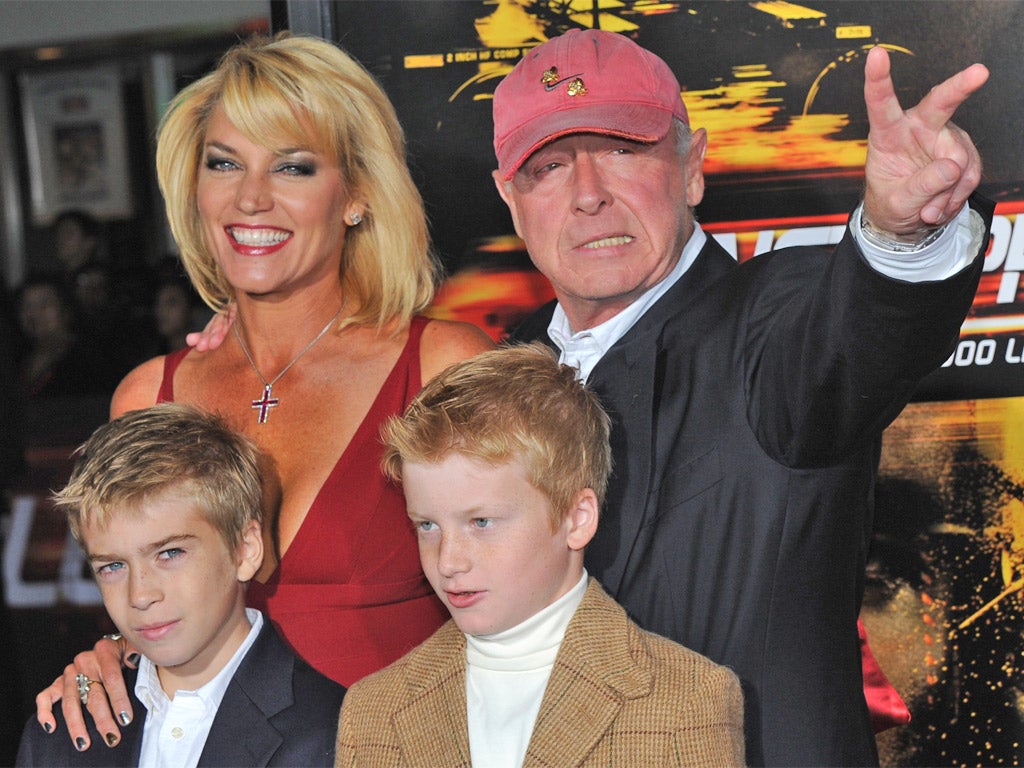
[(747, 406), (276, 711)]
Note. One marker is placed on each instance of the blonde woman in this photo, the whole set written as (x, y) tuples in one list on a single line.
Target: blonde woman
[(287, 191)]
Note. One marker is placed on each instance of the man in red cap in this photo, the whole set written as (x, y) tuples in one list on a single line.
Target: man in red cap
[(748, 401)]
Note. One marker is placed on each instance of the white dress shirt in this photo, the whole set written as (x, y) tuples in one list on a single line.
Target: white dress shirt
[(176, 729)]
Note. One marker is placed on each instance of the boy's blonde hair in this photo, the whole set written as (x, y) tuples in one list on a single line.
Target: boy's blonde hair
[(511, 404), (170, 446), (306, 92)]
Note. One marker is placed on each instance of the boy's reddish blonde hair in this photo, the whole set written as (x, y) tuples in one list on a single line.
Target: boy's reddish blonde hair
[(510, 404)]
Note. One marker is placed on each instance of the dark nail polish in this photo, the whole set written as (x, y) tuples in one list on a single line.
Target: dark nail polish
[(111, 739), (81, 744), (134, 658), (47, 727), (123, 717)]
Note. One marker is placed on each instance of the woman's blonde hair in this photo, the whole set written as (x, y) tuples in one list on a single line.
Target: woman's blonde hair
[(301, 91)]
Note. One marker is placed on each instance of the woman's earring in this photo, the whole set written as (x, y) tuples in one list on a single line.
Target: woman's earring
[(354, 219)]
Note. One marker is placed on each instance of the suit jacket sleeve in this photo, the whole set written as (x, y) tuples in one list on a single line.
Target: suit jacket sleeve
[(831, 360)]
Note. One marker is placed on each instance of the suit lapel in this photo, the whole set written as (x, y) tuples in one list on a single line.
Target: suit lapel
[(241, 733), (594, 675), (432, 729), (628, 380), (624, 380)]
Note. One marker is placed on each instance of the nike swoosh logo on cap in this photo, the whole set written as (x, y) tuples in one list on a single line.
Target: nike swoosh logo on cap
[(560, 81)]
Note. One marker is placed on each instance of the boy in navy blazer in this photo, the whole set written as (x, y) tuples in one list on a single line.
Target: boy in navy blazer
[(166, 503)]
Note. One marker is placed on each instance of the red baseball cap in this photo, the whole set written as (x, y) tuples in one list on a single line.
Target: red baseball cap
[(585, 81)]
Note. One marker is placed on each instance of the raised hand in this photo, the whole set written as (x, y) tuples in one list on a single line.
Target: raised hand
[(921, 168)]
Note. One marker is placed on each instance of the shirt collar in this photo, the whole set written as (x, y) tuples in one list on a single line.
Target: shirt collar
[(584, 349), (532, 643), (149, 691)]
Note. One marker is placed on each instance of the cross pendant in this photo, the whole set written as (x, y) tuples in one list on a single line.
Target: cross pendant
[(264, 404)]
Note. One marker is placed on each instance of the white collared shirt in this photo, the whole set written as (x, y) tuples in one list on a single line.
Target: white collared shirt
[(506, 676), (176, 729), (952, 251)]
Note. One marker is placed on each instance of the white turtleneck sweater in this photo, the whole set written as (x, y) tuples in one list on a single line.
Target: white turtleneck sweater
[(506, 675)]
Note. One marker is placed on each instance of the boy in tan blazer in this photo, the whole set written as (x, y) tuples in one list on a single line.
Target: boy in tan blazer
[(504, 460)]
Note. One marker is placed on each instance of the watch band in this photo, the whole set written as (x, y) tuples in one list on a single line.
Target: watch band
[(887, 243)]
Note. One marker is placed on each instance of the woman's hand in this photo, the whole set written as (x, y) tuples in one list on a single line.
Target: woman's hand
[(213, 335), (106, 694)]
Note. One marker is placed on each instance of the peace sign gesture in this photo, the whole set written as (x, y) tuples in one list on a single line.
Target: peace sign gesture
[(921, 168)]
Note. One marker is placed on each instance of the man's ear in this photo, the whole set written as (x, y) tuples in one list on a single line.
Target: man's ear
[(505, 192), (694, 165), (502, 186), (249, 551), (583, 519)]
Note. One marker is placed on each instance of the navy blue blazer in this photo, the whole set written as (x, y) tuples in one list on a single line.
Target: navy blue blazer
[(747, 407), (276, 711)]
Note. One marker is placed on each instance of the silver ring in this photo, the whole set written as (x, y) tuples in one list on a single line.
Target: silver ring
[(84, 684), (122, 644)]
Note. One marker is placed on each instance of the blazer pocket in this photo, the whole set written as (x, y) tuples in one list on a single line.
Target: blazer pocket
[(689, 479)]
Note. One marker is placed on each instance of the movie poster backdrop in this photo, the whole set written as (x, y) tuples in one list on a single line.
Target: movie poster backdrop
[(778, 86)]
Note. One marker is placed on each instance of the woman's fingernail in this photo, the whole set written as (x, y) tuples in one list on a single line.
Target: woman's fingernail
[(111, 739), (133, 658), (123, 717), (48, 727), (81, 743)]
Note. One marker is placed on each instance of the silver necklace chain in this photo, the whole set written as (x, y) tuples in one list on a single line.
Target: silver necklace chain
[(267, 400)]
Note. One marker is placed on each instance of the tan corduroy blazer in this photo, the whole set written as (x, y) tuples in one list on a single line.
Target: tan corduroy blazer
[(617, 696)]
